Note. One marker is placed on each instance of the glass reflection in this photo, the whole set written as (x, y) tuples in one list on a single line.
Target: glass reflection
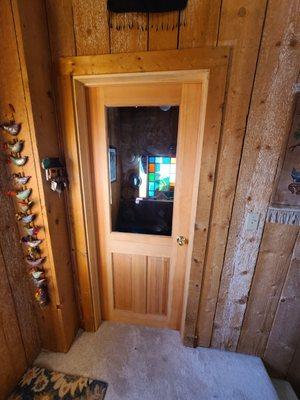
[(142, 165)]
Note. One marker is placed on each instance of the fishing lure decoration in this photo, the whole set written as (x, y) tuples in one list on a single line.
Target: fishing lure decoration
[(11, 127), (33, 259)]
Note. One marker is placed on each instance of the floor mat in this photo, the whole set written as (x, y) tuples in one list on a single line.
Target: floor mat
[(43, 384)]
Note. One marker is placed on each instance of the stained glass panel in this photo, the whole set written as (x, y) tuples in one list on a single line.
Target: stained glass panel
[(161, 183)]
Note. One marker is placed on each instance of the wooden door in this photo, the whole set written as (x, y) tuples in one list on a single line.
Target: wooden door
[(142, 273)]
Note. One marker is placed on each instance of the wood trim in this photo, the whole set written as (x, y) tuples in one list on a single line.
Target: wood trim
[(86, 174), (214, 60), (77, 218), (150, 61)]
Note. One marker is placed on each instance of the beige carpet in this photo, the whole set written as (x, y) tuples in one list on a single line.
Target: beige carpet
[(141, 363)]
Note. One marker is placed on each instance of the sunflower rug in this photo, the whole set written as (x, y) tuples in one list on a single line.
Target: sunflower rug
[(43, 384)]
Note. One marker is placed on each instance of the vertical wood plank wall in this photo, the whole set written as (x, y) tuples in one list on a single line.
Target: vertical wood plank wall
[(26, 96), (239, 278), (19, 336)]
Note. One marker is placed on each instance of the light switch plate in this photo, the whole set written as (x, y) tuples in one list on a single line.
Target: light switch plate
[(252, 221)]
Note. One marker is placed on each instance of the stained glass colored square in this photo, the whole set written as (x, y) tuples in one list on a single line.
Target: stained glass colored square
[(158, 160), (172, 178), (151, 177), (164, 170), (151, 159), (151, 168), (166, 160), (151, 185), (173, 168), (173, 160), (151, 193), (157, 167)]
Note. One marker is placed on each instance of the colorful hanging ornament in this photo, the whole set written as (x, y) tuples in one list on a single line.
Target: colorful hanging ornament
[(39, 282), (19, 161), (26, 219), (34, 262), (30, 242), (25, 207), (32, 230), (16, 146), (41, 296), (11, 127), (20, 179), (33, 258), (38, 274), (23, 194)]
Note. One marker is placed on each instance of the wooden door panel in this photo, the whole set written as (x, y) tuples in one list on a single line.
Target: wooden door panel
[(157, 285), (140, 283), (122, 281)]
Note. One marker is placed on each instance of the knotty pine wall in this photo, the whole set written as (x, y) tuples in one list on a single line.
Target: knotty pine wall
[(19, 336), (242, 286)]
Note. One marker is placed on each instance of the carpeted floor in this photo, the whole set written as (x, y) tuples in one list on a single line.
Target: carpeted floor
[(141, 363)]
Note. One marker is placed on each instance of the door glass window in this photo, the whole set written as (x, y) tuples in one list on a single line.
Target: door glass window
[(142, 167)]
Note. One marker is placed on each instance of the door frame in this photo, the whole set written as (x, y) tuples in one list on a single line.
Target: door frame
[(205, 65)]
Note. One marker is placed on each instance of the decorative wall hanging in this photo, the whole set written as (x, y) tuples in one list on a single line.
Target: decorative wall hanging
[(22, 193), (119, 19), (285, 207), (294, 187), (123, 6), (56, 174), (11, 127)]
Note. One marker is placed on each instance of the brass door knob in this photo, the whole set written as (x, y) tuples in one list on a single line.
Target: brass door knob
[(181, 240)]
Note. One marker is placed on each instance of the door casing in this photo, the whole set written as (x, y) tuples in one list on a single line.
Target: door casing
[(208, 66)]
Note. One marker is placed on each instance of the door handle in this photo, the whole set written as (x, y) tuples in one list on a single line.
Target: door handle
[(181, 240)]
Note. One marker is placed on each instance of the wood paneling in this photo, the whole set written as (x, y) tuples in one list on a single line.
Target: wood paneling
[(61, 28), (13, 92), (163, 31), (284, 336), (36, 62), (293, 374), (19, 337), (128, 32), (240, 27), (199, 24), (268, 125), (272, 265), (80, 27), (91, 27), (16, 275), (12, 353)]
